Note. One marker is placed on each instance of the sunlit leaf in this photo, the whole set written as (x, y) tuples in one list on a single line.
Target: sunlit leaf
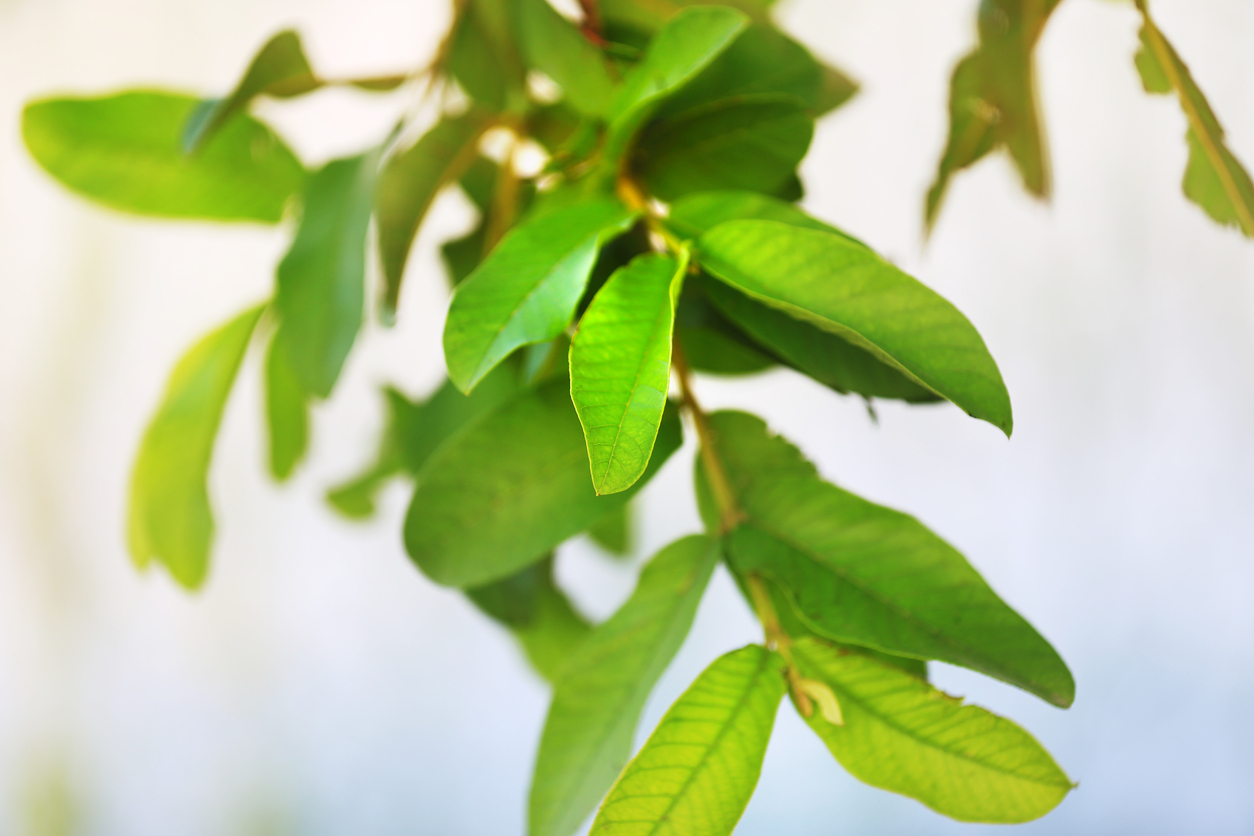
[(550, 43), (697, 771), (597, 702), (287, 413)]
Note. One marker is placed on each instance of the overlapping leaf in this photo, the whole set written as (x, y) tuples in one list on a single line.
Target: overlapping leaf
[(171, 520), (597, 702), (287, 413), (551, 44), (697, 771), (125, 151), (865, 574), (483, 56), (842, 287), (901, 734), (694, 214)]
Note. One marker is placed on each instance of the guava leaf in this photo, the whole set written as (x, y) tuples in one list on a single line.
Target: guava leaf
[(551, 44), (287, 413)]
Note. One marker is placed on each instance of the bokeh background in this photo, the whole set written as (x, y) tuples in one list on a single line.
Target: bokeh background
[(319, 685)]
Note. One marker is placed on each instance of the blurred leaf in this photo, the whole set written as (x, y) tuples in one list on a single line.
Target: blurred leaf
[(483, 57), (171, 520), (647, 16), (695, 774), (710, 342), (614, 532), (867, 575), (620, 368), (287, 413), (842, 287), (992, 99), (527, 289), (903, 735), (125, 151), (1214, 179), (408, 184), (597, 701), (321, 280), (512, 486), (694, 214), (753, 143), (551, 44)]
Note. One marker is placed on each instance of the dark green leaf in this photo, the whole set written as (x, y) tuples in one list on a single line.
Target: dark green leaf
[(753, 143), (483, 57), (527, 289), (620, 368), (551, 44), (694, 214), (462, 255), (409, 183), (867, 575), (321, 280), (287, 413), (903, 735), (615, 533), (125, 151), (512, 486), (713, 351), (171, 520), (844, 288), (597, 702), (697, 772)]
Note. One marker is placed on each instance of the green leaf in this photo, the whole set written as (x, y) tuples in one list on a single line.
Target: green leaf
[(287, 413), (992, 99), (597, 702), (844, 288), (1214, 179), (279, 69), (864, 574), (615, 532), (749, 142), (551, 44), (171, 520), (321, 280), (697, 771), (694, 214), (527, 289), (620, 368), (512, 486), (682, 48), (125, 151), (408, 184), (712, 351), (903, 735), (483, 57)]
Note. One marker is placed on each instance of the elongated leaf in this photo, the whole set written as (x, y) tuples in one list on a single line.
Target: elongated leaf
[(694, 214), (867, 575), (125, 151), (551, 44), (512, 486), (527, 289), (846, 289), (696, 773), (597, 702), (992, 99), (903, 735), (408, 184), (753, 143), (682, 48), (1214, 179), (171, 519), (620, 368), (287, 413), (321, 280), (615, 532), (483, 56)]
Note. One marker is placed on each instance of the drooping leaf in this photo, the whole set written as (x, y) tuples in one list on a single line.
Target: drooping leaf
[(697, 771), (527, 289), (903, 735), (597, 702), (867, 575), (321, 280), (125, 151), (483, 57), (408, 184), (171, 519), (615, 532), (992, 99), (844, 288), (287, 413), (620, 368), (551, 44), (747, 142), (1214, 179), (512, 486), (682, 48), (694, 214)]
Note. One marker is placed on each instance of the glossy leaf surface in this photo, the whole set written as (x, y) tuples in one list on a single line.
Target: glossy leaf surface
[(551, 43), (620, 367), (527, 289), (903, 735), (844, 288), (125, 151), (697, 771), (171, 520), (287, 413), (597, 702)]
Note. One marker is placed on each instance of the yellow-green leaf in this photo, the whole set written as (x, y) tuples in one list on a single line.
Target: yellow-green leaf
[(287, 413)]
